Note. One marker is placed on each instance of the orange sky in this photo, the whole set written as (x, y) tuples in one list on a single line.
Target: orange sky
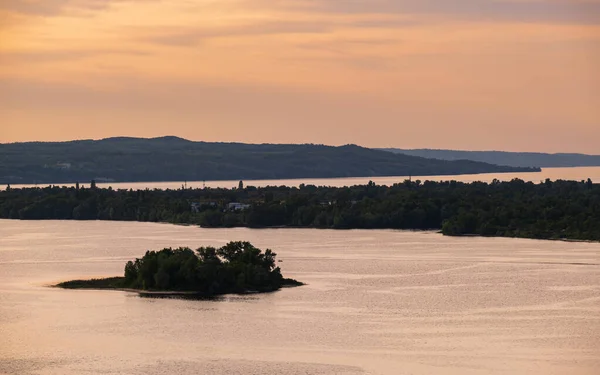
[(466, 74)]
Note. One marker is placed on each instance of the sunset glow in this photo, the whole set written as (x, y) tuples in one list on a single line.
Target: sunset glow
[(467, 74)]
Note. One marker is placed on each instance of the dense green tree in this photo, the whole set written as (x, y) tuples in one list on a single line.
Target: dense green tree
[(237, 267), (551, 209)]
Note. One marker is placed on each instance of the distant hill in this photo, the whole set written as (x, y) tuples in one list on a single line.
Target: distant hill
[(176, 159), (513, 159)]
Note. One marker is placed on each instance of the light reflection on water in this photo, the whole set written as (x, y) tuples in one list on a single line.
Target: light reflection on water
[(376, 302), (576, 174)]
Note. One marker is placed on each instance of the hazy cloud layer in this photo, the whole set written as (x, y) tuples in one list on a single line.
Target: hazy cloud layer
[(578, 11), (53, 7), (410, 73), (193, 36)]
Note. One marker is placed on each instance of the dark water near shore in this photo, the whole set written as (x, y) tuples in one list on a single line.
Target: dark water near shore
[(377, 302)]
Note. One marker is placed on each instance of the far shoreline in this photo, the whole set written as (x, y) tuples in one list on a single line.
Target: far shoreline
[(300, 180), (430, 231)]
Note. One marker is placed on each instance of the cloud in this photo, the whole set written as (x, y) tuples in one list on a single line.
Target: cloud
[(559, 11), (577, 11), (40, 56), (192, 36), (253, 113), (248, 68), (534, 11), (321, 17), (53, 7), (358, 53)]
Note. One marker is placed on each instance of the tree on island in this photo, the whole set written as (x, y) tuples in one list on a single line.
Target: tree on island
[(237, 267)]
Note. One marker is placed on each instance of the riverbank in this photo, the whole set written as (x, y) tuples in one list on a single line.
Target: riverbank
[(549, 210), (115, 283)]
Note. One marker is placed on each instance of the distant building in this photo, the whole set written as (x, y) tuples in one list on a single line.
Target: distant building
[(327, 203), (235, 206), (197, 206)]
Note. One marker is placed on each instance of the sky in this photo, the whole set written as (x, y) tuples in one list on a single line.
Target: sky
[(515, 75)]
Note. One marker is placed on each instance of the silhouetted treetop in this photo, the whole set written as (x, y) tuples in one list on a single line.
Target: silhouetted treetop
[(237, 267)]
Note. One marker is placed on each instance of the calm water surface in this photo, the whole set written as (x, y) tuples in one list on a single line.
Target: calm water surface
[(377, 302), (577, 174)]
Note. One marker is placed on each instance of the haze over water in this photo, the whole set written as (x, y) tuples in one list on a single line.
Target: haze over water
[(573, 173), (376, 302)]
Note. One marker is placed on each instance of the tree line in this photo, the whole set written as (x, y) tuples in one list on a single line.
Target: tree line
[(546, 210), (237, 267)]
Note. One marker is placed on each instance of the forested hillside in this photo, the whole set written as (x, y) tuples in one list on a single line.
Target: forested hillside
[(514, 159), (176, 159)]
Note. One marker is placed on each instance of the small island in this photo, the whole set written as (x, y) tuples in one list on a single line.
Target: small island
[(236, 268)]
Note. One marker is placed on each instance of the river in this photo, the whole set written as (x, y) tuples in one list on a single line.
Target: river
[(376, 302), (575, 173)]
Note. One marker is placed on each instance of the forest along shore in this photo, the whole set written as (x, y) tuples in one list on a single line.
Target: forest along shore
[(568, 210)]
